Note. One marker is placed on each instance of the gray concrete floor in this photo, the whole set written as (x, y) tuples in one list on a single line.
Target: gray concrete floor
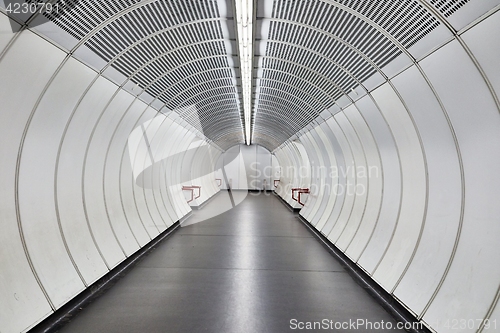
[(254, 268)]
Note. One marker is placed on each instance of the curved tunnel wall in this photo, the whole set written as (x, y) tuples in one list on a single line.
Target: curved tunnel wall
[(412, 173), (85, 184), (90, 174), (295, 171)]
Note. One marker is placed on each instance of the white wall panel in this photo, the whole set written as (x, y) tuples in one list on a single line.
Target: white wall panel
[(325, 192), (188, 164), (322, 173), (214, 157), (180, 141), (279, 167), (304, 173), (288, 171), (149, 194), (340, 177), (276, 172), (387, 217), (300, 172), (114, 242), (157, 149), (280, 161), (484, 43), (111, 178), (218, 172), (330, 197), (76, 229), (290, 165), (319, 177), (287, 178), (316, 178), (374, 186), (145, 166), (36, 182), (199, 163), (174, 188), (444, 192), (160, 177), (23, 302), (184, 143), (143, 154), (187, 169), (359, 191), (472, 281), (143, 230), (414, 187), (139, 146), (203, 169), (337, 222)]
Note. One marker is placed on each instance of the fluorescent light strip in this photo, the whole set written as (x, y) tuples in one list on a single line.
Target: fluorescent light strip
[(244, 21)]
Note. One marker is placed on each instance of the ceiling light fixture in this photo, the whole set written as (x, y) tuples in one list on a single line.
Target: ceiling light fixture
[(244, 21)]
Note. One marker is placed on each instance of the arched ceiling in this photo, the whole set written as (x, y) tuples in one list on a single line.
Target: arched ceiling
[(308, 55)]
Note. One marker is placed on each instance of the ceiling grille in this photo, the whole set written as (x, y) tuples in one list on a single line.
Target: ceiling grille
[(448, 7), (318, 51), (174, 50)]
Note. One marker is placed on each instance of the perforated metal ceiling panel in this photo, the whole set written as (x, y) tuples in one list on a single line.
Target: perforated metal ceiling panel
[(448, 7), (174, 50), (313, 53), (318, 51)]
